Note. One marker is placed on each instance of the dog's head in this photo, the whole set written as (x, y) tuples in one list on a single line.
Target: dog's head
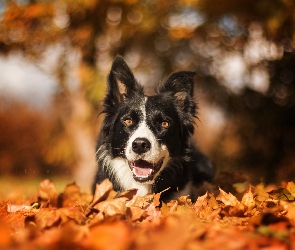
[(147, 131)]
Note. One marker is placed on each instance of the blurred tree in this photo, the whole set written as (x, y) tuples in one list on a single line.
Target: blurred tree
[(243, 52)]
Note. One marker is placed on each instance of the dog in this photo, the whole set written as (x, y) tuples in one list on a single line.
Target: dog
[(146, 141)]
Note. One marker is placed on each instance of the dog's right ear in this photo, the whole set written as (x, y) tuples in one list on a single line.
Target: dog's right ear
[(121, 83)]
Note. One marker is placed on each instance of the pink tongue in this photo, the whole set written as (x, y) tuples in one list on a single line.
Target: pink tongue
[(142, 171)]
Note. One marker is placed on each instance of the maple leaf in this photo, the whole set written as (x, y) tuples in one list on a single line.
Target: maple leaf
[(232, 206), (206, 207)]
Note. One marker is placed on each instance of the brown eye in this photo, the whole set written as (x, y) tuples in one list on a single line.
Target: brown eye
[(165, 124), (128, 122)]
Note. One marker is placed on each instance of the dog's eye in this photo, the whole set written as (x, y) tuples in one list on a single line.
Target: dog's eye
[(128, 122), (165, 124)]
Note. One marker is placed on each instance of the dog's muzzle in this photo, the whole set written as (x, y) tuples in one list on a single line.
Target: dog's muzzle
[(144, 171)]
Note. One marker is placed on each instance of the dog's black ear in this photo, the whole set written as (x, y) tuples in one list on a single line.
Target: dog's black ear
[(121, 83), (181, 86)]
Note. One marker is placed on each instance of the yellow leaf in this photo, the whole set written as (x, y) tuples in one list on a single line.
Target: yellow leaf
[(248, 199), (227, 198), (291, 188)]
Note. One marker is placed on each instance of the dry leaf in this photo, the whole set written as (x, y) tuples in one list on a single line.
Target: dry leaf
[(72, 196), (102, 191), (291, 188), (112, 207), (248, 199), (206, 207), (227, 198), (47, 192)]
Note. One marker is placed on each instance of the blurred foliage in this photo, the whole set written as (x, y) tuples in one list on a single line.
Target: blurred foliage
[(242, 51), (26, 137)]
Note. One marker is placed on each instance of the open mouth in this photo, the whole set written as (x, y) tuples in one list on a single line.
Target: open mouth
[(143, 170)]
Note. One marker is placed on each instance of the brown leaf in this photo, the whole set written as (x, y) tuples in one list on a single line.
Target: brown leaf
[(112, 207), (73, 196), (129, 194), (102, 191), (48, 217), (47, 193), (135, 213), (206, 207), (143, 201)]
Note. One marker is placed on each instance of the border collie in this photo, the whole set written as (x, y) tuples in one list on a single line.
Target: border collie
[(145, 141)]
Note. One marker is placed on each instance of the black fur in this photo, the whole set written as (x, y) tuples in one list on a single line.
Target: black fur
[(174, 104)]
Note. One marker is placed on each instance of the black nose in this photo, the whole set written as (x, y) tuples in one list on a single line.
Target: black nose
[(141, 145)]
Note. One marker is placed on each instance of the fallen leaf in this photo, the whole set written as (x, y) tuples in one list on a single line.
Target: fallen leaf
[(72, 196), (281, 194), (291, 188), (248, 199), (153, 213), (47, 193), (227, 198), (206, 207), (136, 213), (102, 191), (112, 207), (129, 194)]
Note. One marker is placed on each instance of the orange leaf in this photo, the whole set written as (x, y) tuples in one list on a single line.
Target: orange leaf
[(73, 196), (112, 207), (47, 192), (101, 192), (111, 236)]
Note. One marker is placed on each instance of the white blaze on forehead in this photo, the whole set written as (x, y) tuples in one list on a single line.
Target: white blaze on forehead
[(156, 152)]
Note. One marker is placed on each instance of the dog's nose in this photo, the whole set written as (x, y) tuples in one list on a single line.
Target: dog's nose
[(141, 145)]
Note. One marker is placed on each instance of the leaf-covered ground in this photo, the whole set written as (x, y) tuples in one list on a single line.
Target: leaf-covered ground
[(262, 219)]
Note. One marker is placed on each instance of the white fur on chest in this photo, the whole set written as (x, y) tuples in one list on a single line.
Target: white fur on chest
[(124, 176)]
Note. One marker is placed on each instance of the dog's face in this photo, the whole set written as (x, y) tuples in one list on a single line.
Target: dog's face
[(147, 131)]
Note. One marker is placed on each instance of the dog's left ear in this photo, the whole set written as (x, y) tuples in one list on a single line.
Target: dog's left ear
[(181, 86)]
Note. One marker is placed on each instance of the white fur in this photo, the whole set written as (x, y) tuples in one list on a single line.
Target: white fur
[(157, 151)]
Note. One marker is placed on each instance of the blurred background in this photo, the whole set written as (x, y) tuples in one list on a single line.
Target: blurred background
[(55, 57)]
